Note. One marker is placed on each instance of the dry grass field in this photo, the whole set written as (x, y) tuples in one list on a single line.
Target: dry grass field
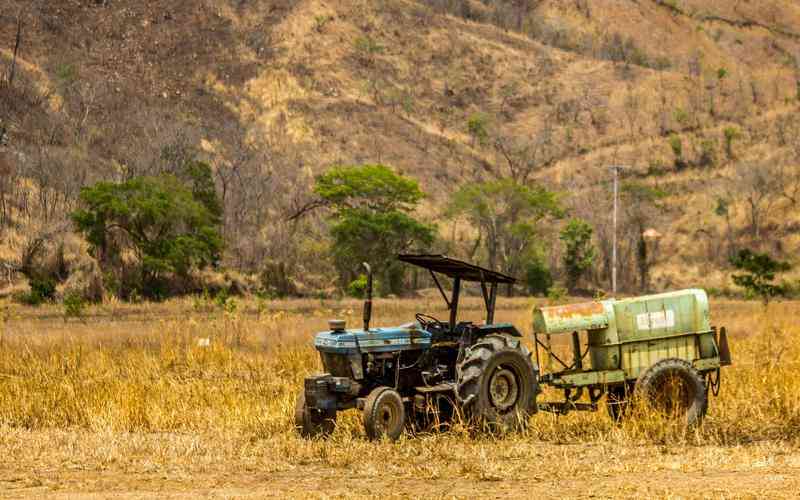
[(126, 403)]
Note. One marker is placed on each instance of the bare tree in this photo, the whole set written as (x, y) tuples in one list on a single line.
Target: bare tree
[(17, 45), (758, 185)]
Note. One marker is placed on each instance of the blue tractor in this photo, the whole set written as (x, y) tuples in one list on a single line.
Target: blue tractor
[(421, 374)]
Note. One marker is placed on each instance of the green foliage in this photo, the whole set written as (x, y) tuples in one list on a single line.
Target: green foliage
[(43, 289), (366, 49), (731, 134), (507, 214), (371, 221), (708, 152), (358, 287), (362, 235), (168, 226), (368, 187), (761, 271), (538, 277), (682, 117), (478, 128), (556, 294), (67, 73), (722, 208), (722, 73), (74, 305), (638, 192), (676, 144), (200, 177), (579, 252), (320, 22)]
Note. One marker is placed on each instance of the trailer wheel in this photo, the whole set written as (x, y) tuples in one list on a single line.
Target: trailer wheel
[(311, 422), (618, 401), (674, 388), (384, 414), (497, 384)]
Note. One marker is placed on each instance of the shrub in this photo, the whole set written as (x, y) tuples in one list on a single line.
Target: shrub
[(676, 144), (731, 134), (682, 117), (358, 287), (760, 272), (708, 152), (74, 305), (42, 290), (538, 277), (477, 126), (556, 294)]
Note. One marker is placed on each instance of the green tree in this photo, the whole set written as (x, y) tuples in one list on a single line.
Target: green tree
[(167, 226), (760, 270), (506, 216), (579, 252), (538, 277), (371, 220)]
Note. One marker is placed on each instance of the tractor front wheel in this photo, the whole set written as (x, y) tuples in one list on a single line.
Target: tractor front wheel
[(384, 414), (311, 422), (675, 389), (497, 383)]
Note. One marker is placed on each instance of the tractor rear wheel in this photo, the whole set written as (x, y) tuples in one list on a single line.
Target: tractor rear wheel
[(497, 384), (675, 389), (384, 414), (311, 422)]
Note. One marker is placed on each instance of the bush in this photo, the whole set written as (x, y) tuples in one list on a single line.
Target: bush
[(538, 277), (74, 305), (42, 290), (477, 127), (556, 294), (708, 152), (731, 134), (358, 287), (676, 144)]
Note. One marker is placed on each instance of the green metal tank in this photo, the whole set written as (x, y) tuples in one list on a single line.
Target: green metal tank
[(632, 334)]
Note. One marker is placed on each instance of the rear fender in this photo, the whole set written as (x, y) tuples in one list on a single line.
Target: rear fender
[(506, 328)]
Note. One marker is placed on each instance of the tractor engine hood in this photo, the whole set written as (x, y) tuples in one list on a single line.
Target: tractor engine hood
[(374, 340)]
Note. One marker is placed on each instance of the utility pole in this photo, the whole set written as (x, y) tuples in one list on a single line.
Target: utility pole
[(616, 169)]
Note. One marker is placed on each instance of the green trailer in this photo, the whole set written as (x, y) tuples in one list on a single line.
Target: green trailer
[(661, 346)]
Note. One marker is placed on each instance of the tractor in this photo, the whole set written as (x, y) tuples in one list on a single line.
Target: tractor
[(423, 374)]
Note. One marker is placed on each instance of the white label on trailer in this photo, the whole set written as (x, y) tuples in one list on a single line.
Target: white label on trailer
[(654, 320)]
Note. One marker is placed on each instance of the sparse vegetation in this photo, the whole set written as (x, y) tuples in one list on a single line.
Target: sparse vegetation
[(730, 134)]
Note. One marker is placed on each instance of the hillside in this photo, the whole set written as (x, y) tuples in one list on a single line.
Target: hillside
[(693, 98)]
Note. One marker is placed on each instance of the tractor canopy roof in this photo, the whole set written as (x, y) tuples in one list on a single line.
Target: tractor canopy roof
[(456, 268), (460, 271)]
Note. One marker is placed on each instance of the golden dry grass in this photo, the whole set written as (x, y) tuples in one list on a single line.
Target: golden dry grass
[(127, 404)]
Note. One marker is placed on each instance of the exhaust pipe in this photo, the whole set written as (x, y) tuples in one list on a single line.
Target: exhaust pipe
[(368, 300)]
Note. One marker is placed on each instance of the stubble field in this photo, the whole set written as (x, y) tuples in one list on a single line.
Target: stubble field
[(130, 402)]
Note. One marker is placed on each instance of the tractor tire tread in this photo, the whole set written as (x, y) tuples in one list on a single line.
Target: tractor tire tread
[(699, 404)]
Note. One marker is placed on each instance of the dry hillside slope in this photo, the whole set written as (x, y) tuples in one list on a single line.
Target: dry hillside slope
[(685, 92)]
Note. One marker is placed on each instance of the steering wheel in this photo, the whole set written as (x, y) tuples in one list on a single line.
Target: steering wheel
[(426, 320)]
